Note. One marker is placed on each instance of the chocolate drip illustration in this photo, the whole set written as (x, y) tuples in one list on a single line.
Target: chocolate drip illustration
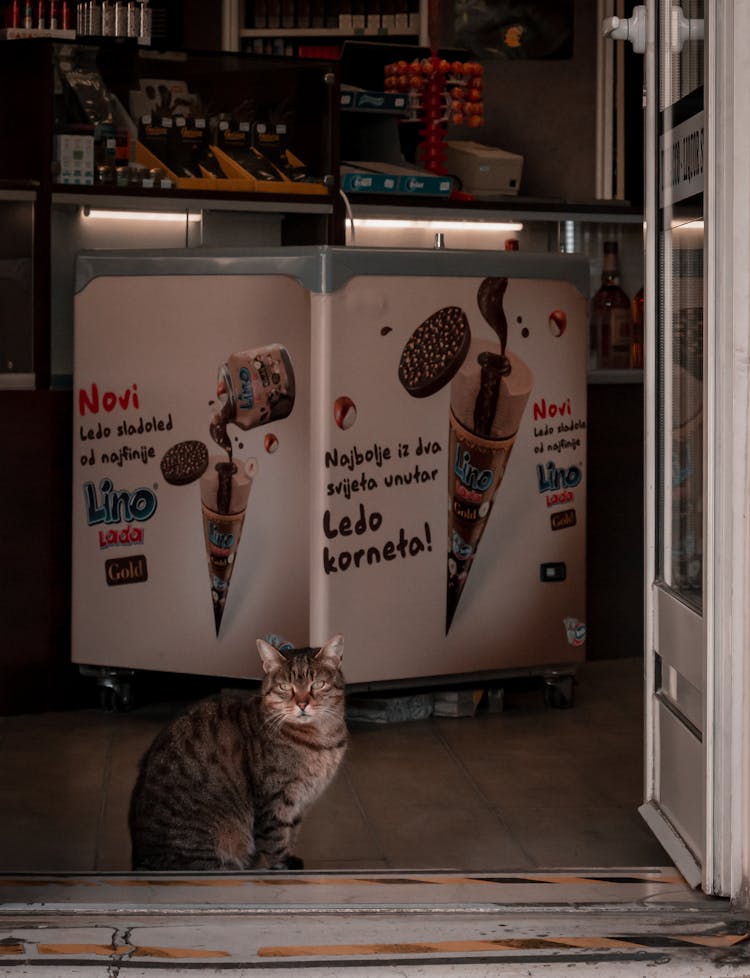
[(218, 429), (490, 301), (225, 472), (494, 367)]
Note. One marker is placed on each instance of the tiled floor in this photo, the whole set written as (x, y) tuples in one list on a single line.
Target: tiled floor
[(528, 787)]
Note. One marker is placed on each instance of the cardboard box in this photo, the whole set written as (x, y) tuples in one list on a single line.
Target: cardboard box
[(484, 170)]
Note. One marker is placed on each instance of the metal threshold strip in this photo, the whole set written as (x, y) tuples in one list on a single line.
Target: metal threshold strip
[(615, 921)]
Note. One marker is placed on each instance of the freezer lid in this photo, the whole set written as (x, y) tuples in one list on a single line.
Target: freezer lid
[(326, 269), (301, 263), (340, 264)]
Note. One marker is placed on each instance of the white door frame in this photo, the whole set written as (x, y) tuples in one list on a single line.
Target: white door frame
[(729, 187), (726, 870)]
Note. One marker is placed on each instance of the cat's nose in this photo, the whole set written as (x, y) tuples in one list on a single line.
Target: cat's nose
[(302, 704)]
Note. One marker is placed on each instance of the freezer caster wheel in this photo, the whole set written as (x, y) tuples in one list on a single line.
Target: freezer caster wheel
[(115, 689), (116, 699), (558, 692)]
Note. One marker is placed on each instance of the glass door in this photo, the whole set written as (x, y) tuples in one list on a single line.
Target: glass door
[(678, 716)]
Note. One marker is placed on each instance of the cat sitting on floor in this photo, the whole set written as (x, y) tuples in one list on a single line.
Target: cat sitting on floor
[(225, 786)]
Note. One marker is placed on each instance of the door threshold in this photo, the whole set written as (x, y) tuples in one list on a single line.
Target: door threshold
[(616, 921), (262, 891)]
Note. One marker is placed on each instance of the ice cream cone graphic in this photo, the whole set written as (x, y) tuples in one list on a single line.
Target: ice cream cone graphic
[(254, 388), (488, 398), (225, 488)]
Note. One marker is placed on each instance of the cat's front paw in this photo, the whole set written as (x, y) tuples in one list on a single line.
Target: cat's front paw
[(290, 862)]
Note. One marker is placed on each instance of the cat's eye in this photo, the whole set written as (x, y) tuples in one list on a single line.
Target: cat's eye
[(284, 687), (318, 684)]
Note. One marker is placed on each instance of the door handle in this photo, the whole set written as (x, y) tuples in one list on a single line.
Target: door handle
[(631, 29), (684, 29)]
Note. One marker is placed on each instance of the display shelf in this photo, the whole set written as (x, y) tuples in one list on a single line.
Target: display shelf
[(300, 93), (178, 200), (247, 21), (531, 208), (337, 32)]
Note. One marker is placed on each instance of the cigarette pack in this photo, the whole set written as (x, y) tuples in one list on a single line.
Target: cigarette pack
[(75, 156), (355, 180), (387, 102), (409, 179)]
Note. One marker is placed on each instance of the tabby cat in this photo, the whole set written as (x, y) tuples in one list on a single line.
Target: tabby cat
[(225, 786)]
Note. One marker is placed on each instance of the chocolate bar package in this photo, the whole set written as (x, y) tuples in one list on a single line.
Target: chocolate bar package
[(188, 142), (271, 142), (235, 140)]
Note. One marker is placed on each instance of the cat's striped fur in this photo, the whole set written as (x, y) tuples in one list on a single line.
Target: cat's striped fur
[(225, 786)]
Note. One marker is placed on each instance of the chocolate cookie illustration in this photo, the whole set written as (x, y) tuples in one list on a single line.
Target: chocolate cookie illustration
[(184, 462), (434, 352)]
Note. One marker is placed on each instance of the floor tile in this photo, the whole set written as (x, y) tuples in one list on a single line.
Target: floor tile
[(531, 786), (557, 837)]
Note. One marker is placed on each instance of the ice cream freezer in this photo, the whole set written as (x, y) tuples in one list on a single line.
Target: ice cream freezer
[(388, 444)]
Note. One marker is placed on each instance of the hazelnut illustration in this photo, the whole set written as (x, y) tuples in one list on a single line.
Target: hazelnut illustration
[(344, 412), (558, 320)]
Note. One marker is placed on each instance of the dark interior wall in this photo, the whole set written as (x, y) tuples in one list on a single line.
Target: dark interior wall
[(545, 110), (201, 25), (614, 538), (35, 670)]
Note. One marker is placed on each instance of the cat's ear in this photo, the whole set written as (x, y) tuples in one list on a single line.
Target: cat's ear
[(271, 658), (332, 651)]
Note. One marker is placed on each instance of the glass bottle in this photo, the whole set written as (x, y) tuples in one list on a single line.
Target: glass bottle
[(611, 325), (108, 18), (145, 23)]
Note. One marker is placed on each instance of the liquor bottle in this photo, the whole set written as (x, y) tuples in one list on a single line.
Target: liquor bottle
[(95, 18), (133, 19), (121, 18), (145, 23), (636, 349), (108, 18), (611, 325)]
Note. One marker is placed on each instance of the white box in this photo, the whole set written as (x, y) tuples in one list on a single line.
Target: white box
[(457, 702), (484, 170)]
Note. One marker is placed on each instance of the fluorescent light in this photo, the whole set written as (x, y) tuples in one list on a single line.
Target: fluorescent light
[(400, 224), (139, 215)]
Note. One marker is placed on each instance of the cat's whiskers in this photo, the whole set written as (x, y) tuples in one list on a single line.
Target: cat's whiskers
[(274, 721)]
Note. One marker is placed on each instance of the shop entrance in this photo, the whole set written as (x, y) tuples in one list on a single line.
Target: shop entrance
[(696, 677)]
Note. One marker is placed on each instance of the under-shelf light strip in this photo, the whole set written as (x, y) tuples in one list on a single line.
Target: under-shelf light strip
[(393, 224), (140, 215)]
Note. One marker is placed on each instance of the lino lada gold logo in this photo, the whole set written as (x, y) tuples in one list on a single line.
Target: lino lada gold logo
[(126, 570)]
